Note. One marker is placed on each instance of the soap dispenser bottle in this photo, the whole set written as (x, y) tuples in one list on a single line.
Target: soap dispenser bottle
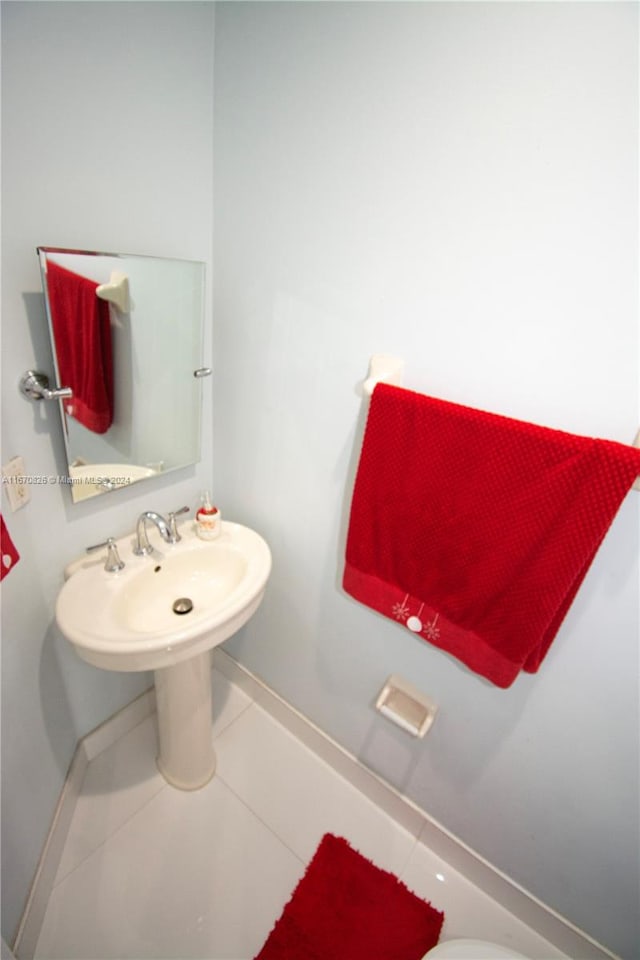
[(208, 520)]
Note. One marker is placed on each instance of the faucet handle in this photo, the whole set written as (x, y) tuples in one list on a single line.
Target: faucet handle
[(173, 529), (113, 562)]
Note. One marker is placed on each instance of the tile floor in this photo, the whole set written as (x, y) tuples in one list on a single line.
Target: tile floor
[(149, 871)]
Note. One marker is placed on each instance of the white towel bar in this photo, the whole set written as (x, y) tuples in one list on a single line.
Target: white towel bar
[(383, 369), (386, 369), (116, 291)]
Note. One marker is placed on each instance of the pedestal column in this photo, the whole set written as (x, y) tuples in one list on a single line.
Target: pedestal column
[(183, 696)]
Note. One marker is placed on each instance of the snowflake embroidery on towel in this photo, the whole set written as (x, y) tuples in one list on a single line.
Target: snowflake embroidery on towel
[(401, 610), (431, 631)]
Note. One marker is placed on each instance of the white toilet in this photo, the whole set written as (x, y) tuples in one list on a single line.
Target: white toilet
[(472, 950)]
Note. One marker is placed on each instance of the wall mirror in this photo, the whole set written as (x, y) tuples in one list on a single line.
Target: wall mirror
[(127, 339)]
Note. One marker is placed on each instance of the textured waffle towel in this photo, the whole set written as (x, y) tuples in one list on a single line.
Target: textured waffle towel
[(345, 908), (82, 332), (475, 530)]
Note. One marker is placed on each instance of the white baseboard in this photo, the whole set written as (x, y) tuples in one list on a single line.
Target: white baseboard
[(5, 952), (87, 749), (543, 919), (523, 905), (119, 724), (31, 921)]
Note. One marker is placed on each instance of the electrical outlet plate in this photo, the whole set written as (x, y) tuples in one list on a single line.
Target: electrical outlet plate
[(14, 483)]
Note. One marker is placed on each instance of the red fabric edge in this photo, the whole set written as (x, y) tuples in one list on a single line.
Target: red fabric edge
[(397, 605)]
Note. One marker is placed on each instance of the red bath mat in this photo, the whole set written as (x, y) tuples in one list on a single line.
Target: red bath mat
[(345, 908)]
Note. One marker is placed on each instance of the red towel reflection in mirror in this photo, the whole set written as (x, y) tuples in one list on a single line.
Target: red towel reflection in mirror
[(82, 335)]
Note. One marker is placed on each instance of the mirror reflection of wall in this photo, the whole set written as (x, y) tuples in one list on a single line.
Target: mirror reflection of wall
[(149, 328)]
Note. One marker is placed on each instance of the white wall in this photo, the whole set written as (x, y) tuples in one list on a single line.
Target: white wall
[(455, 184), (107, 144)]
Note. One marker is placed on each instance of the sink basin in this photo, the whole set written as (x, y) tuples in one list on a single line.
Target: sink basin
[(206, 578), (126, 620), (165, 612), (88, 480)]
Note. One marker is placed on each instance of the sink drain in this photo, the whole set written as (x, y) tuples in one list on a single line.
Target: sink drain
[(183, 605)]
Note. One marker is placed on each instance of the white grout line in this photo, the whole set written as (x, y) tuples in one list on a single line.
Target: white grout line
[(26, 939), (427, 831), (527, 908), (87, 749)]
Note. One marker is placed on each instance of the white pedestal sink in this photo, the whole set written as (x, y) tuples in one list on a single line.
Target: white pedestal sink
[(165, 612)]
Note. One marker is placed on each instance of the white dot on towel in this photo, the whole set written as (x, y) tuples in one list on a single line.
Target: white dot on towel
[(6, 559), (415, 624)]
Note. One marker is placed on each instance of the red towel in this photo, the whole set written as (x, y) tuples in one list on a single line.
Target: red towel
[(82, 333), (8, 553), (476, 530)]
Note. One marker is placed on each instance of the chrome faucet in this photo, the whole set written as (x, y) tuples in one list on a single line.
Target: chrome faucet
[(113, 563), (167, 528)]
